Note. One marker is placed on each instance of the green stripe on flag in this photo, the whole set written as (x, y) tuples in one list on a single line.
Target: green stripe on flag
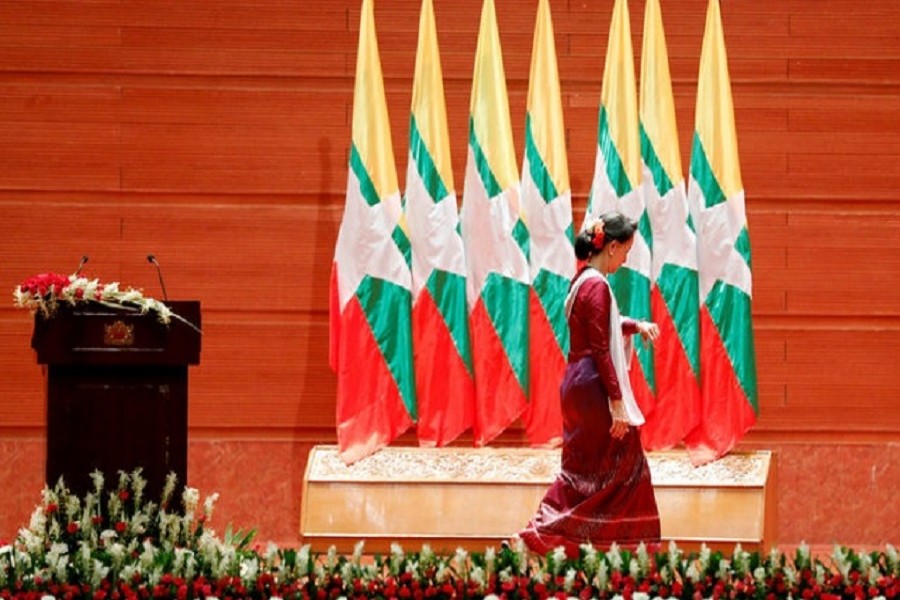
[(703, 174), (506, 301), (742, 245), (539, 173), (491, 186), (523, 238), (729, 308), (632, 290), (366, 185), (690, 224), (615, 168), (402, 240), (570, 233), (448, 290), (651, 159), (679, 289), (551, 290), (425, 166), (387, 308), (645, 229)]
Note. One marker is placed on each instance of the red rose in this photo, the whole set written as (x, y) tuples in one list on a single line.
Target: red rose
[(123, 495), (72, 528), (51, 508), (121, 526), (97, 519)]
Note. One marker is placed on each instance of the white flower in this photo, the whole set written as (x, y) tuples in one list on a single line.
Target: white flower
[(490, 557), (590, 558), (820, 574), (643, 559), (477, 577), (249, 570), (724, 567), (558, 558), (303, 561), (803, 553), (841, 561), (358, 551), (614, 556), (634, 568), (208, 505), (461, 559), (347, 572), (759, 574), (190, 497), (602, 576), (693, 573), (569, 581)]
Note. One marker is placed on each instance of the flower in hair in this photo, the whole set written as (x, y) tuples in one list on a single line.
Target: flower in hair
[(597, 235)]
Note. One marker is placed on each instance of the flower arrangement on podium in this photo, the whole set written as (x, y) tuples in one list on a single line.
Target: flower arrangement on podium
[(44, 293)]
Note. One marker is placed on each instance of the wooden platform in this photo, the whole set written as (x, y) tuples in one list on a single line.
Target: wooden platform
[(477, 497)]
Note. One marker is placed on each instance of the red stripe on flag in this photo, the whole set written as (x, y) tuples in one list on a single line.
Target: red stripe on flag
[(726, 414), (678, 392), (543, 416), (334, 320), (445, 391), (498, 398), (370, 411)]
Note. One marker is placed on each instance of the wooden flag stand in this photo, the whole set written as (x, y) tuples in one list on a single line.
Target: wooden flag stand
[(470, 497)]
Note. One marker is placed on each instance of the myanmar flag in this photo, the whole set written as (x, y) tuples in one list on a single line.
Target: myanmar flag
[(617, 177), (716, 197), (371, 337), (445, 384), (547, 203), (674, 292), (496, 244)]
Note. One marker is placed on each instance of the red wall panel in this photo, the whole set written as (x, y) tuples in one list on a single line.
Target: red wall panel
[(216, 136)]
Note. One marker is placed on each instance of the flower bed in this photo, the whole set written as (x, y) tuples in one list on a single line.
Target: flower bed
[(115, 544)]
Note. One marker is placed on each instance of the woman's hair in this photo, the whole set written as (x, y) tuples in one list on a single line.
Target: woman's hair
[(597, 235)]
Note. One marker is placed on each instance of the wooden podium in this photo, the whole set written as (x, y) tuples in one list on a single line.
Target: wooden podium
[(477, 497), (117, 393)]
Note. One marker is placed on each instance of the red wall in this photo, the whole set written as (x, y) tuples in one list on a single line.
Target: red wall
[(215, 134)]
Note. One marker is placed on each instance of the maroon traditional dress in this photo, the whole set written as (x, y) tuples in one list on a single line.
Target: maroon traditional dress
[(603, 493)]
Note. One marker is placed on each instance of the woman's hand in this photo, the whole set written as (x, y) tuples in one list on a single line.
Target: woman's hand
[(619, 419), (649, 330)]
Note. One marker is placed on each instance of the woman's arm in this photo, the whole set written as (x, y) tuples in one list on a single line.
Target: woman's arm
[(598, 302)]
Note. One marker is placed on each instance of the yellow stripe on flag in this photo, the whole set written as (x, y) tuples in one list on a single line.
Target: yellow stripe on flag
[(371, 126), (619, 95), (544, 101), (490, 108), (428, 96), (715, 108), (657, 102)]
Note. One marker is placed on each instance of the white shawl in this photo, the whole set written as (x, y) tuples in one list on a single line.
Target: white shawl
[(620, 349)]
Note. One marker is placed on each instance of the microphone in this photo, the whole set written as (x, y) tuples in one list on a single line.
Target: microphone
[(152, 260), (84, 259)]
